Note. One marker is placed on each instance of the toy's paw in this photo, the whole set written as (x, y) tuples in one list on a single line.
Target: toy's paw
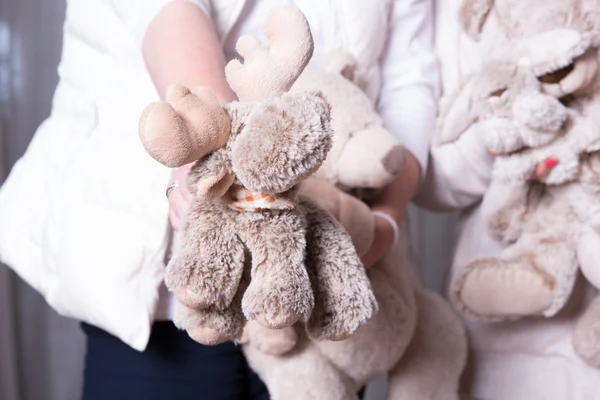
[(586, 335), (344, 300), (500, 135), (208, 272), (340, 318), (279, 301), (210, 326), (207, 336), (270, 341), (566, 170), (191, 287), (540, 113), (494, 289)]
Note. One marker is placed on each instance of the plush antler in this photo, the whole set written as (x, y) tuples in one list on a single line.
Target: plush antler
[(185, 127), (268, 72)]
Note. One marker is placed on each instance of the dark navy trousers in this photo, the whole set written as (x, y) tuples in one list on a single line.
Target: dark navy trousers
[(173, 367)]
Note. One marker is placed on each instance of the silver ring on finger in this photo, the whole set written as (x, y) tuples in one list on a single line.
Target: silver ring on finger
[(170, 188)]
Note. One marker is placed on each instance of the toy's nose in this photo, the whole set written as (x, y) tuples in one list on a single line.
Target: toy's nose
[(393, 162)]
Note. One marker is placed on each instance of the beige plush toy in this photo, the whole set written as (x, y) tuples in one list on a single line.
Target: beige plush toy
[(555, 233), (523, 127), (248, 246), (415, 338)]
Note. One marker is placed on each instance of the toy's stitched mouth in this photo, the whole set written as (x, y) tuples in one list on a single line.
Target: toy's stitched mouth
[(557, 75)]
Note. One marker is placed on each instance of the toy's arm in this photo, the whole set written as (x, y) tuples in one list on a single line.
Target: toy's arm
[(354, 215), (506, 223)]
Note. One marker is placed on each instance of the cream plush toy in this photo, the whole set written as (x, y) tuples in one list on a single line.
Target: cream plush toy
[(248, 246), (556, 231), (523, 127), (415, 338)]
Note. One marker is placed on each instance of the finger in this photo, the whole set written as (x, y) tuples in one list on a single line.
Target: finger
[(184, 192), (368, 259), (543, 169), (177, 207), (382, 243), (540, 171), (174, 219), (181, 175)]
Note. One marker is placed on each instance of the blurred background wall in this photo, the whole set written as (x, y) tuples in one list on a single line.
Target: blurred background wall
[(41, 353)]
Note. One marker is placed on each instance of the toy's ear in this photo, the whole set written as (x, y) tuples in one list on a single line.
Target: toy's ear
[(214, 187), (185, 127), (472, 16), (457, 114), (550, 52)]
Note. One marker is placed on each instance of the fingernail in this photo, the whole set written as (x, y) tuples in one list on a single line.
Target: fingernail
[(550, 162)]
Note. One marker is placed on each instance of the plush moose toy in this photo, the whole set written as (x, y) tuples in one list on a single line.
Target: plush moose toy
[(249, 246)]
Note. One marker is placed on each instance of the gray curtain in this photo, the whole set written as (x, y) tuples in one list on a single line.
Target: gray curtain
[(41, 353)]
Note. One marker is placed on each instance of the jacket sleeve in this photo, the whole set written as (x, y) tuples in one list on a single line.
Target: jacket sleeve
[(459, 174), (138, 14), (410, 77)]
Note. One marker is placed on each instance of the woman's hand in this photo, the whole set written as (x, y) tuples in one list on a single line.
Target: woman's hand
[(392, 202), (383, 241), (541, 170), (179, 196)]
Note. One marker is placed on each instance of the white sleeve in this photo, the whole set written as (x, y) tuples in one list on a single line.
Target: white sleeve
[(459, 173), (138, 14), (410, 77)]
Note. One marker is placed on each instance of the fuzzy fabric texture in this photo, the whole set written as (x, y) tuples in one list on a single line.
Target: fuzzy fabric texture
[(415, 336), (245, 247), (544, 108), (273, 70), (185, 127)]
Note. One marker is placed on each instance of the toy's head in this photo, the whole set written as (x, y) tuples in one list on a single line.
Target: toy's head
[(284, 140), (275, 139), (557, 39), (504, 92), (364, 154)]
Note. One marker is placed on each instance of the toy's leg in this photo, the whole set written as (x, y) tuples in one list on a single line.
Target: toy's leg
[(211, 326), (303, 374), (433, 363), (344, 300), (279, 293), (586, 336), (207, 265), (534, 276)]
